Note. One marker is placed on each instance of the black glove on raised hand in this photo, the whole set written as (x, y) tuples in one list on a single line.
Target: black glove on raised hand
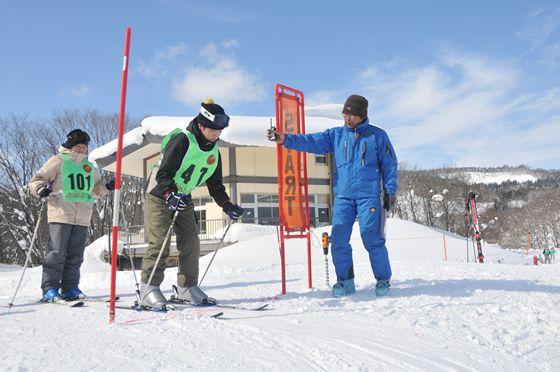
[(389, 201), (274, 136), (110, 185), (44, 190), (177, 201), (233, 211)]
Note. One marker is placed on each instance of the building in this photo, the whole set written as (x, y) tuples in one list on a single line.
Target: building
[(248, 162)]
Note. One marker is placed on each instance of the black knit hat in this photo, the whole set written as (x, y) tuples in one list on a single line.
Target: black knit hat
[(356, 105), (76, 137), (212, 115)]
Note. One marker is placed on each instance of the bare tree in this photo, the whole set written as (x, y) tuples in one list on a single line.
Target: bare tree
[(23, 151)]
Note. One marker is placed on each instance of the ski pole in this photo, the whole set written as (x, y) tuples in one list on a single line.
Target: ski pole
[(127, 252), (214, 255), (160, 253), (325, 244), (28, 252)]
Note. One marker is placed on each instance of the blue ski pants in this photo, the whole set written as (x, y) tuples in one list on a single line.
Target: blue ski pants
[(371, 217)]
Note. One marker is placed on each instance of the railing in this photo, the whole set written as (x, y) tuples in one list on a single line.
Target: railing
[(136, 240), (275, 221), (207, 229)]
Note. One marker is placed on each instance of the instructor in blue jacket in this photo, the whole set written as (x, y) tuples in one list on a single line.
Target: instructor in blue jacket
[(365, 165)]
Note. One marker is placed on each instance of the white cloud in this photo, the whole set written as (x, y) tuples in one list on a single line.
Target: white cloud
[(220, 77), (170, 52), (230, 43), (540, 24), (551, 55), (79, 91), (146, 70), (161, 61), (328, 110), (460, 108), (210, 52)]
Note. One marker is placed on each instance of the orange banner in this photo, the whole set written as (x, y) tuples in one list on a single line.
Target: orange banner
[(291, 200)]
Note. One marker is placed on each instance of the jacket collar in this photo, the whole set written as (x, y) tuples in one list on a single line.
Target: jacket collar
[(203, 143), (360, 129), (74, 156)]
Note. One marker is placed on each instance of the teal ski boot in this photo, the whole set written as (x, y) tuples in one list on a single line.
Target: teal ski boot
[(343, 288), (382, 288)]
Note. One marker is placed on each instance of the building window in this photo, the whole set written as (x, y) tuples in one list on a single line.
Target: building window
[(321, 159), (312, 219), (201, 220), (248, 215), (202, 201), (247, 198), (267, 198), (323, 215), (268, 215)]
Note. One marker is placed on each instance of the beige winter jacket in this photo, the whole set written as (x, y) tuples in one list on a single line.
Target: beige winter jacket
[(59, 210)]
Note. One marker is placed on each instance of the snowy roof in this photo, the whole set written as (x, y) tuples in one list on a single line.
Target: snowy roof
[(144, 141)]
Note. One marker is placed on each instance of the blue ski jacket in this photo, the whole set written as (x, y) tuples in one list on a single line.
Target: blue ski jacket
[(365, 160)]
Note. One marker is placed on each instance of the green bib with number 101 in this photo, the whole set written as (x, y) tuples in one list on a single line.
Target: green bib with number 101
[(77, 180), (197, 165)]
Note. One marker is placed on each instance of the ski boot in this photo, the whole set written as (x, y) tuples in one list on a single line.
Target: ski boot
[(382, 287), (73, 294), (195, 295), (51, 295), (152, 297), (343, 288)]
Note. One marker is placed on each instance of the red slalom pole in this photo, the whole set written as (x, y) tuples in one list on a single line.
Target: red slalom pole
[(117, 196)]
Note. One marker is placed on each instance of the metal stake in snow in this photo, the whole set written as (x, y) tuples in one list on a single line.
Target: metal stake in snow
[(116, 203), (325, 244)]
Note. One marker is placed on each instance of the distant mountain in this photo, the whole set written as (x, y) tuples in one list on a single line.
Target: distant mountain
[(515, 203)]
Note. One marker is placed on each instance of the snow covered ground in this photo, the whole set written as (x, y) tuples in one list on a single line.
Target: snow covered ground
[(439, 316), (494, 177)]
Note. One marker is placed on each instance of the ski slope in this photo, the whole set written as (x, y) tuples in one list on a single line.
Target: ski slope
[(440, 315)]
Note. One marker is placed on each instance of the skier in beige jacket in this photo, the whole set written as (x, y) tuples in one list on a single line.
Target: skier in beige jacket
[(70, 182)]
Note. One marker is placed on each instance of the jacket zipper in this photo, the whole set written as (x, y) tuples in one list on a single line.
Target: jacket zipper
[(364, 154), (345, 151)]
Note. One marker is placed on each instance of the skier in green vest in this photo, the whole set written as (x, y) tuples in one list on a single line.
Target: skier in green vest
[(70, 182), (189, 158)]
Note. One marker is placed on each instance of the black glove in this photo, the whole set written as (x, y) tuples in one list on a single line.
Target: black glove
[(177, 202), (274, 136), (389, 201), (233, 211), (44, 190), (110, 185)]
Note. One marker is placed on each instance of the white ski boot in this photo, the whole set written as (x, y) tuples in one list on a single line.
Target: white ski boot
[(195, 295), (152, 297)]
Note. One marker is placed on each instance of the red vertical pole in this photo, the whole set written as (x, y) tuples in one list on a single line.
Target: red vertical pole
[(283, 259), (280, 191), (116, 203), (306, 198)]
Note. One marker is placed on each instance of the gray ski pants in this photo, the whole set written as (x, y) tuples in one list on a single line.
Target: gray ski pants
[(65, 254)]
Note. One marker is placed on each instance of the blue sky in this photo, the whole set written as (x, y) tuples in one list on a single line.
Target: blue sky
[(462, 83)]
